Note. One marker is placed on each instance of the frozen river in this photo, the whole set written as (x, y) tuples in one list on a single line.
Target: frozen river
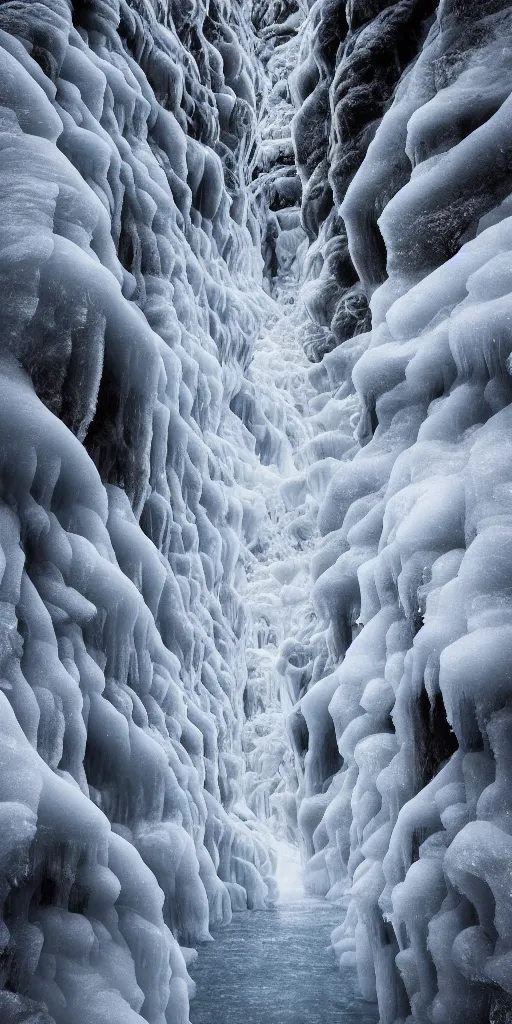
[(273, 967)]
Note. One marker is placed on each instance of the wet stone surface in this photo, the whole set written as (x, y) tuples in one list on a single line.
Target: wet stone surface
[(274, 967)]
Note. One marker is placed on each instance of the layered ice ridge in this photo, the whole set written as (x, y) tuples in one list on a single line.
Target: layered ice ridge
[(131, 297)]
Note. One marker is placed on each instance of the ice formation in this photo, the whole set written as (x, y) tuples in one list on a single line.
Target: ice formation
[(255, 531), (131, 296), (400, 675)]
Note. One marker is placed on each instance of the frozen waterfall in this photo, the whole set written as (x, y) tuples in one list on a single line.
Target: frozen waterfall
[(256, 502)]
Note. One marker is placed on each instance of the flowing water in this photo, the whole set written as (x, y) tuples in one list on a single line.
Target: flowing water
[(274, 967)]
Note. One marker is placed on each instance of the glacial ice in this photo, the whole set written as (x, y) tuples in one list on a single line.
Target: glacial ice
[(130, 302), (398, 677), (255, 532)]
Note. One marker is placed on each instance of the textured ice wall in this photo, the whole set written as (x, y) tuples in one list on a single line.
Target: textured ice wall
[(351, 59), (130, 270), (276, 185), (276, 589), (135, 184), (402, 692)]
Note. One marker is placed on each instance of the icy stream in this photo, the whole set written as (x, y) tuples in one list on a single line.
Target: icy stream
[(271, 967)]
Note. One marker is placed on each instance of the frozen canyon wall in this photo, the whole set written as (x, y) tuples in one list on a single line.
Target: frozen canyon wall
[(131, 297), (399, 680), (169, 170)]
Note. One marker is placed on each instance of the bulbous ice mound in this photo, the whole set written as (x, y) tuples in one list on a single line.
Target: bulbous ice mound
[(130, 302), (402, 721)]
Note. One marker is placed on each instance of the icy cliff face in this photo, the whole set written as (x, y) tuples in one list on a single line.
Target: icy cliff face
[(131, 297), (402, 686)]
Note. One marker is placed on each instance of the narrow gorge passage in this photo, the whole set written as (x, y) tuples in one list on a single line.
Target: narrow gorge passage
[(255, 510), (277, 966)]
